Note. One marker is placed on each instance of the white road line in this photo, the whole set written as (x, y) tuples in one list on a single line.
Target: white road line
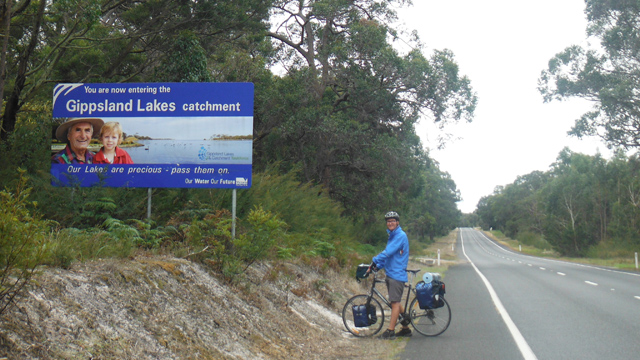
[(542, 268), (637, 297), (559, 261), (591, 283), (523, 346), (561, 274)]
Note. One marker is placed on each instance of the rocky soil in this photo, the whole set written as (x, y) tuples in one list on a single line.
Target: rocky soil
[(170, 308)]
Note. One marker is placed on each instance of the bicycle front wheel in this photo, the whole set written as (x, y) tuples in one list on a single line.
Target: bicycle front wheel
[(430, 322), (348, 319)]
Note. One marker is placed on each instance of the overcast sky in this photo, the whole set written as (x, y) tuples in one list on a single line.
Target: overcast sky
[(502, 46)]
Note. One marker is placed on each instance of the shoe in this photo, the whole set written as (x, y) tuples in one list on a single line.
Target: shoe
[(405, 322), (388, 335), (406, 332)]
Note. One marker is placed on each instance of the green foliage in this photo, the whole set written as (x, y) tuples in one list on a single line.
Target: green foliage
[(284, 253), (347, 107), (608, 75), (186, 61), (140, 233), (265, 230), (120, 230), (211, 233), (433, 211), (305, 208), (97, 211), (71, 244), (23, 241), (615, 250), (27, 147), (535, 240), (211, 240), (583, 202), (83, 207), (334, 137)]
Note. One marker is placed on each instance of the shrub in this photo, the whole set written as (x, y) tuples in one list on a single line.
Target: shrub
[(210, 241), (23, 240), (612, 250), (70, 244), (535, 240)]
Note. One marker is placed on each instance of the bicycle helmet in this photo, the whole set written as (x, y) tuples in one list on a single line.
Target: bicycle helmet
[(392, 215)]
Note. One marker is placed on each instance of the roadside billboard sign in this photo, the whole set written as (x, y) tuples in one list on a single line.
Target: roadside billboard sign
[(170, 135)]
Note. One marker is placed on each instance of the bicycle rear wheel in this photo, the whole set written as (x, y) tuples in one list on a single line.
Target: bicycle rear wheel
[(348, 320), (430, 322)]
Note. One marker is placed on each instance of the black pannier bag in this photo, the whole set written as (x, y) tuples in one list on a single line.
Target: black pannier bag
[(438, 293), (424, 295), (364, 315), (430, 295), (360, 316), (371, 312)]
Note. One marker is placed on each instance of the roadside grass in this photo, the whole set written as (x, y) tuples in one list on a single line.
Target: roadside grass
[(516, 245), (618, 261), (425, 256)]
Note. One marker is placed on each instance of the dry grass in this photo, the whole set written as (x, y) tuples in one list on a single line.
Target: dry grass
[(617, 262), (426, 258)]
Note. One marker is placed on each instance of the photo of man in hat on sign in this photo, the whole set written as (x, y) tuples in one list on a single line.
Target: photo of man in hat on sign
[(77, 133)]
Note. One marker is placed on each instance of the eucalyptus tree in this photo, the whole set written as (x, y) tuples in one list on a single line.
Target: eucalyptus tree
[(619, 177), (484, 210), (572, 225), (111, 41), (608, 75), (353, 99), (517, 207), (434, 212), (581, 202)]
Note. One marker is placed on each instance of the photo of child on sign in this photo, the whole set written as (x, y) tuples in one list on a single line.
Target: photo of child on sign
[(110, 153)]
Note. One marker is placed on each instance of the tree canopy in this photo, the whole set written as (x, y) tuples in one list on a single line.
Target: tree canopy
[(583, 201), (608, 75), (340, 114), (354, 100)]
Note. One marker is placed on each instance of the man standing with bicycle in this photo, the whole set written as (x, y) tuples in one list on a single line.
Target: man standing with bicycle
[(394, 260)]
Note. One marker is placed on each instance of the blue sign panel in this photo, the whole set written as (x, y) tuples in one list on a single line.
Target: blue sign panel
[(177, 135)]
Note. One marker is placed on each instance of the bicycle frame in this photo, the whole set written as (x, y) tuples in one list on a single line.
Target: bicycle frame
[(425, 320), (411, 275)]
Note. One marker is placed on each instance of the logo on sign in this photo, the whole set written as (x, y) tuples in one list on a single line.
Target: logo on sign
[(242, 182)]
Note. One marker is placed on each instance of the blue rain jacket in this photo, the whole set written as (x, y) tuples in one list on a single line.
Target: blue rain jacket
[(395, 257)]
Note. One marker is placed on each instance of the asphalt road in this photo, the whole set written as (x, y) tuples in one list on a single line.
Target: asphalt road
[(506, 305)]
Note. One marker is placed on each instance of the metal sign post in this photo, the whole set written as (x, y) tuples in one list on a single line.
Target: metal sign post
[(149, 204)]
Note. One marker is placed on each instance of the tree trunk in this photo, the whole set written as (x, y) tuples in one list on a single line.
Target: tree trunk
[(13, 104), (5, 44)]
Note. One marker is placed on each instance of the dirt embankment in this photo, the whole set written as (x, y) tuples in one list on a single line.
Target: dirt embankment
[(168, 308)]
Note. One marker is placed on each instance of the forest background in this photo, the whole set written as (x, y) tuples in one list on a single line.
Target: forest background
[(335, 143), (585, 205)]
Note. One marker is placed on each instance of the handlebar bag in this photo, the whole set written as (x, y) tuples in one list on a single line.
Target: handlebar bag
[(361, 272)]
